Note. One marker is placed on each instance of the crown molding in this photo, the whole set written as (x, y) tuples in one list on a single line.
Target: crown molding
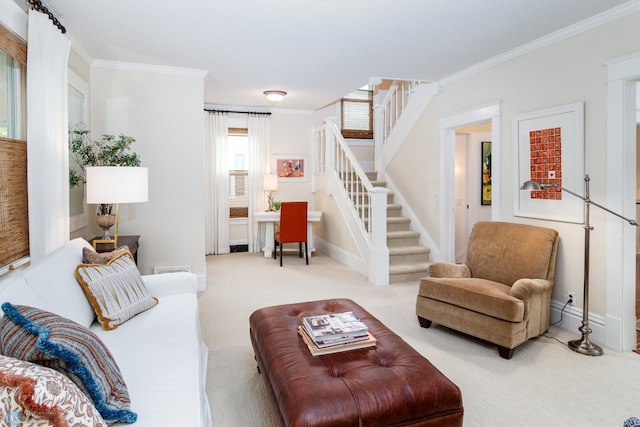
[(610, 15), (146, 68)]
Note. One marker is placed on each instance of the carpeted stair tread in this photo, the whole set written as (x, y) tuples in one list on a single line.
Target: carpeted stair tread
[(402, 234), (409, 268), (407, 250)]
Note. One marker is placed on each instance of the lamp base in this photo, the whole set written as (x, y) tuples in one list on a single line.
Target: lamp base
[(584, 346)]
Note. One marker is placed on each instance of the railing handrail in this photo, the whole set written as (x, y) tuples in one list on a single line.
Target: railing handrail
[(387, 114), (338, 159), (350, 156)]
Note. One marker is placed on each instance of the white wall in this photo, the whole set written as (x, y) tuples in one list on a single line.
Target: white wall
[(291, 133), (162, 108), (566, 72), (13, 18)]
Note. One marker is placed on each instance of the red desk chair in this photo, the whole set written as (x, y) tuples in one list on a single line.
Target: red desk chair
[(293, 227)]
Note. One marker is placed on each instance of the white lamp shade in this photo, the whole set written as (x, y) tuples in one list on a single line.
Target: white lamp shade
[(270, 182), (117, 184)]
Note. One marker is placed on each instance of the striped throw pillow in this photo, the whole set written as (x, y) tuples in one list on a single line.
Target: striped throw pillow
[(115, 290), (41, 337)]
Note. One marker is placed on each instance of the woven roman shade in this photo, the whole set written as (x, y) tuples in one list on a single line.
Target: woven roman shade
[(14, 213), (14, 217), (13, 45)]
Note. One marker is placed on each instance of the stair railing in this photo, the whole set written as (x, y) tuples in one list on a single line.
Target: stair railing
[(369, 203), (387, 114)]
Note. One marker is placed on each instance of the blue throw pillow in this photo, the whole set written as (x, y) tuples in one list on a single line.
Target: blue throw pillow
[(41, 337)]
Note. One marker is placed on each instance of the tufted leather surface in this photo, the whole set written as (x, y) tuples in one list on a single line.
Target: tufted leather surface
[(387, 385)]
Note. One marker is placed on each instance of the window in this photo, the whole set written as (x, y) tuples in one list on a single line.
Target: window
[(14, 215), (357, 114), (238, 173)]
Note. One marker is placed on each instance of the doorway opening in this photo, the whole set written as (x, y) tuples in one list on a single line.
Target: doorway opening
[(473, 182), (448, 200)]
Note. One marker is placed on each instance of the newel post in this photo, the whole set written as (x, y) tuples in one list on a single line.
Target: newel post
[(378, 250), (330, 150)]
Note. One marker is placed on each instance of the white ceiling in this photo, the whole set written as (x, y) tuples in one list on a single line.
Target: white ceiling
[(316, 51)]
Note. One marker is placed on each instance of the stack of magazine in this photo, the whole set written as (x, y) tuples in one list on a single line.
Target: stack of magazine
[(335, 332)]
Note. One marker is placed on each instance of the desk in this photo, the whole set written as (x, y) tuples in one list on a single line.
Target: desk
[(269, 218)]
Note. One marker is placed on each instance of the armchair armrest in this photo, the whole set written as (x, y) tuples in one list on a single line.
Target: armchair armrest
[(160, 285), (447, 269), (526, 289), (536, 295)]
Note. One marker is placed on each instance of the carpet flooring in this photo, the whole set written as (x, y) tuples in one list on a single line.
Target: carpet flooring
[(544, 384)]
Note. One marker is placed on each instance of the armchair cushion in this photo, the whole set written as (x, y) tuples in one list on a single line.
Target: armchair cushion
[(505, 252), (481, 295), (447, 269)]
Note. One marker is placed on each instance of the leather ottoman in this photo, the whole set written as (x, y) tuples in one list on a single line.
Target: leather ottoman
[(390, 384)]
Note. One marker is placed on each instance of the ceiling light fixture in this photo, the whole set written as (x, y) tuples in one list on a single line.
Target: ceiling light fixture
[(274, 96)]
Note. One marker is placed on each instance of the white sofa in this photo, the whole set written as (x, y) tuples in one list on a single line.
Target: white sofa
[(160, 352)]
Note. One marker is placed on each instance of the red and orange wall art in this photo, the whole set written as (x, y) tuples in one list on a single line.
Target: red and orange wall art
[(546, 161)]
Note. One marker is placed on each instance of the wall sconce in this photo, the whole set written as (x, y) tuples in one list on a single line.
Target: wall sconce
[(274, 96), (270, 184)]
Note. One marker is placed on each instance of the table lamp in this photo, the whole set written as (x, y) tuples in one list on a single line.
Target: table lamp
[(115, 185), (270, 184)]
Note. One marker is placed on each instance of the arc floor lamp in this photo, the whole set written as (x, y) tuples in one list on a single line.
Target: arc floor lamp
[(582, 345)]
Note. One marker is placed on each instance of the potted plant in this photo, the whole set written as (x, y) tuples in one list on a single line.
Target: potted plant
[(109, 150)]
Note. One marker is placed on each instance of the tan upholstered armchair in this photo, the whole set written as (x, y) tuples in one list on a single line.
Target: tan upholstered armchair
[(503, 292)]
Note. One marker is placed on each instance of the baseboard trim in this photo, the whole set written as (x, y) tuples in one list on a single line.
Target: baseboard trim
[(201, 282), (343, 257), (572, 320)]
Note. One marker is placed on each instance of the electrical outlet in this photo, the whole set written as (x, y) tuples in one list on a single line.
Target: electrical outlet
[(571, 297)]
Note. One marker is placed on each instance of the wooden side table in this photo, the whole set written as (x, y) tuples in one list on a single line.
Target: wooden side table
[(130, 241)]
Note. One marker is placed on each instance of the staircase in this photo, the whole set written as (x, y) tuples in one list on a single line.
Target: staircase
[(408, 260), (391, 250)]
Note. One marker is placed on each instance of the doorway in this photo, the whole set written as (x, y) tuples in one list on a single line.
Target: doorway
[(448, 126), (472, 182)]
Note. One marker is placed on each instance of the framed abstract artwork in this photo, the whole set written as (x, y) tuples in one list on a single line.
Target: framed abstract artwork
[(550, 150), (485, 195), (290, 167)]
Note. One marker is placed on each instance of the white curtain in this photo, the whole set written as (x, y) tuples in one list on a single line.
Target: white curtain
[(47, 136), (217, 210), (258, 133)]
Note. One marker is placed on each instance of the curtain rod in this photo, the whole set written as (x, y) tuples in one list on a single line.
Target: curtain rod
[(238, 112), (39, 7)]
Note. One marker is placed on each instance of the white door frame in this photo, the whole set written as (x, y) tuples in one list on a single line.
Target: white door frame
[(448, 125), (620, 325)]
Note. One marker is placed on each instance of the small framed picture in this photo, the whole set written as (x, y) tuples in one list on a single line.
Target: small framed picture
[(485, 196), (290, 167)]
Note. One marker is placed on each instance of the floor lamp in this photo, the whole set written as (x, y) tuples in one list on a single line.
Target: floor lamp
[(582, 345), (116, 184)]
